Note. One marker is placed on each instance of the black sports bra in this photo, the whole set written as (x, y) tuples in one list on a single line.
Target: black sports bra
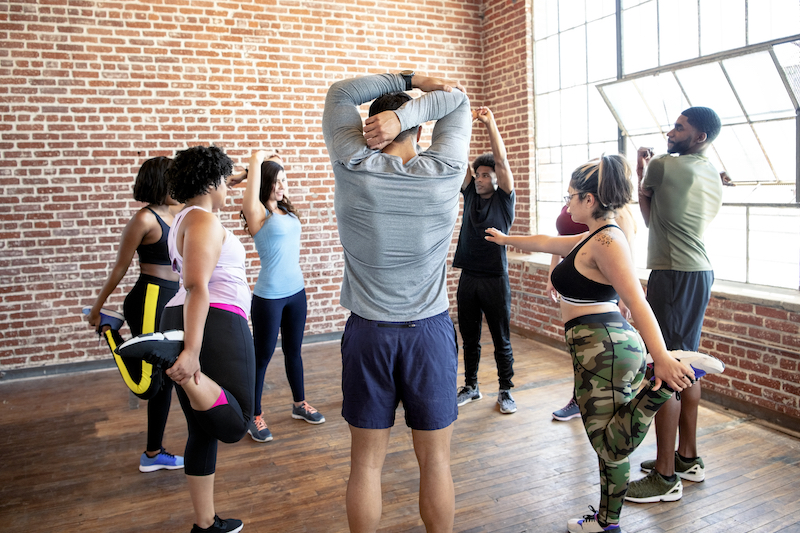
[(158, 252), (574, 287)]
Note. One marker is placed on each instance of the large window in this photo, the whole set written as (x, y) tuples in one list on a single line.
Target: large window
[(611, 76)]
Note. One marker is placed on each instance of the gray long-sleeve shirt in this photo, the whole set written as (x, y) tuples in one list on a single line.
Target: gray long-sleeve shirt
[(396, 221)]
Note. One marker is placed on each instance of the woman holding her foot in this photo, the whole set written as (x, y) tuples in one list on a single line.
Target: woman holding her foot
[(215, 369), (279, 296), (145, 234), (607, 353)]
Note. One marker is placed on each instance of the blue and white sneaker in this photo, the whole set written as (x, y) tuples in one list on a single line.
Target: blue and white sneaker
[(109, 318), (158, 349), (568, 412), (589, 524), (701, 363), (162, 461)]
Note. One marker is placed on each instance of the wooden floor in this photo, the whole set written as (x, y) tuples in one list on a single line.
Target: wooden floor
[(70, 446)]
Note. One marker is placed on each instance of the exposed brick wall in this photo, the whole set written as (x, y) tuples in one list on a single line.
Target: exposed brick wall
[(89, 90), (759, 343)]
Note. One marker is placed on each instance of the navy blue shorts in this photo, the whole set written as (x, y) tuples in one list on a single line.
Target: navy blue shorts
[(384, 363), (679, 301)]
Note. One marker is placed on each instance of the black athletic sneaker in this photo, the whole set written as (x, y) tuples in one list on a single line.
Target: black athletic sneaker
[(158, 349), (230, 525)]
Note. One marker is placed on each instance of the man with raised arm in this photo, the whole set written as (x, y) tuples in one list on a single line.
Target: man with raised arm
[(396, 207), (680, 193), (483, 288)]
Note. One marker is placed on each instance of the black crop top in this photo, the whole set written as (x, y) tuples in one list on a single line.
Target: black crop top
[(574, 287), (158, 252)]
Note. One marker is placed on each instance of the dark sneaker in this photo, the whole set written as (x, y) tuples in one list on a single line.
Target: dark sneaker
[(654, 488), (258, 430), (693, 470), (109, 318), (701, 363), (162, 461), (568, 412), (158, 349), (305, 412), (468, 394), (506, 402), (589, 524), (229, 525)]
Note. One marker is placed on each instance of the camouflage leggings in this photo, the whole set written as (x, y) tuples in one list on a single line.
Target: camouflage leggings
[(609, 363)]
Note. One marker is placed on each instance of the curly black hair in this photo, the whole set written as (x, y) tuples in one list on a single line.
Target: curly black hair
[(195, 170), (150, 185)]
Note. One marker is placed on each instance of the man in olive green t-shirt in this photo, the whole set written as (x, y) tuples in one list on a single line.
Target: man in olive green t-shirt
[(679, 196)]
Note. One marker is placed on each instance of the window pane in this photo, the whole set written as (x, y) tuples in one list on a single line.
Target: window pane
[(663, 97), (741, 155), (677, 28), (573, 57), (547, 214), (602, 49), (545, 18), (602, 126), (596, 9), (788, 55), (729, 262), (574, 156), (571, 13), (545, 75), (779, 141), (632, 3), (706, 85), (774, 229), (548, 119), (771, 19), (631, 110), (722, 25), (607, 148), (640, 38), (759, 86), (574, 114)]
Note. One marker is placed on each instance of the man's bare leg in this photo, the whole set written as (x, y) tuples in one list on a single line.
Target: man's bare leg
[(687, 427), (364, 496), (437, 501)]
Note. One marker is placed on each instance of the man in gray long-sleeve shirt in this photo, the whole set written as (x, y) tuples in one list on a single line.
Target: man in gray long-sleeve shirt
[(396, 207)]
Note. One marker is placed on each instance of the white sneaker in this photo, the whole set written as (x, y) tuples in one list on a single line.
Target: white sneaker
[(589, 524), (701, 363)]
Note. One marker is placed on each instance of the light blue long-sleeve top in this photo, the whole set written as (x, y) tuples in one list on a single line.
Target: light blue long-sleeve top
[(396, 220)]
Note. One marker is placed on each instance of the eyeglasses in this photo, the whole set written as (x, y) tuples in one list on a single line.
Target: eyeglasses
[(568, 197)]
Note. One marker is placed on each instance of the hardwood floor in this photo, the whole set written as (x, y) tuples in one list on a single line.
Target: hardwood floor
[(70, 446)]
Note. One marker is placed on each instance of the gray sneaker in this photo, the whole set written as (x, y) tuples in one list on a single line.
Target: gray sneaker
[(304, 411), (654, 488), (506, 402), (468, 394), (694, 470), (258, 430)]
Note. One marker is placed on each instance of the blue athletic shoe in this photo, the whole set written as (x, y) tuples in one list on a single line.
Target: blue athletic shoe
[(162, 461), (108, 318)]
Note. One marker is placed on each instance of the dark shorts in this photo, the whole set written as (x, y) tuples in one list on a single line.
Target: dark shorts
[(679, 301), (384, 363)]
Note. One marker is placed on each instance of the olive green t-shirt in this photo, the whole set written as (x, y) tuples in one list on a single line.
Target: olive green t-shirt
[(687, 195)]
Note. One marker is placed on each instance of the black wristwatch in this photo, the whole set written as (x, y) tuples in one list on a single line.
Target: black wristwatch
[(407, 75)]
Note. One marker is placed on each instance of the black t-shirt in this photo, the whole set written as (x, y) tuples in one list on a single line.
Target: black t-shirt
[(474, 253)]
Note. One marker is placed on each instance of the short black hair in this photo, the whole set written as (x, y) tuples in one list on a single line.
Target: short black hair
[(150, 186), (391, 102), (195, 170), (483, 160), (704, 119)]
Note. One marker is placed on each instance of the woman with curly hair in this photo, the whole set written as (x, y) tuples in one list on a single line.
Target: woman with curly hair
[(279, 297), (145, 234), (215, 369), (608, 355)]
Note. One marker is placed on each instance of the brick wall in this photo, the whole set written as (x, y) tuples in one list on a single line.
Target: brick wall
[(89, 90), (758, 340)]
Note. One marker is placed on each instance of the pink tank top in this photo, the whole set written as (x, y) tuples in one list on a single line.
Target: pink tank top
[(228, 283)]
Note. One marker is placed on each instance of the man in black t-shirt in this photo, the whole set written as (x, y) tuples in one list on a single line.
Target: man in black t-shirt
[(483, 288)]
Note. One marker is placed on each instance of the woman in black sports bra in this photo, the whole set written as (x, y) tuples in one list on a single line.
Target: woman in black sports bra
[(145, 233), (608, 354)]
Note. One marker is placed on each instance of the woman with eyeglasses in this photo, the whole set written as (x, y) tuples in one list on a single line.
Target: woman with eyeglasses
[(608, 354)]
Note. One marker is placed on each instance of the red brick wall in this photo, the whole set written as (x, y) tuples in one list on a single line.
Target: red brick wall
[(89, 90), (759, 343)]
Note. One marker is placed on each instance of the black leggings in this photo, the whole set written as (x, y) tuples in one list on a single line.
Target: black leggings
[(142, 309), (226, 357)]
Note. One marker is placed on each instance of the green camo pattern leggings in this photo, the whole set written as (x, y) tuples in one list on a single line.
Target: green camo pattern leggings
[(608, 358)]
